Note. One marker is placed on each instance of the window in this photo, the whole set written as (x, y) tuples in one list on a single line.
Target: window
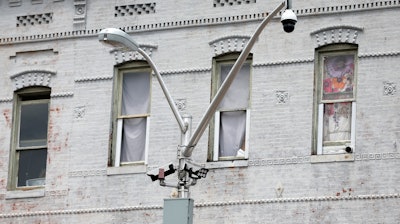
[(335, 100), (229, 135), (132, 115), (29, 141)]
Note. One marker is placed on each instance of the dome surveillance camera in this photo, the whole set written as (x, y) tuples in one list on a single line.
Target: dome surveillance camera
[(288, 20)]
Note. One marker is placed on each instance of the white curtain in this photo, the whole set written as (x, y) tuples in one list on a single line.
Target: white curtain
[(232, 130), (238, 94), (135, 100), (135, 93), (133, 140), (232, 133)]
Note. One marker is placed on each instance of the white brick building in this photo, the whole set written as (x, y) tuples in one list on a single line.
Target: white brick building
[(317, 114)]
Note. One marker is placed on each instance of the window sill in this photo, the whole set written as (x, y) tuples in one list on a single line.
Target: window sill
[(132, 169), (227, 164), (36, 192), (348, 157)]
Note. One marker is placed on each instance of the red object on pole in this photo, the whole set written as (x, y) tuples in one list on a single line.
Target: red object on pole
[(161, 174)]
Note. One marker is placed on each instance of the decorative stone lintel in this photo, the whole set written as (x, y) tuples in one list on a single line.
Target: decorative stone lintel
[(336, 34), (234, 43), (125, 56), (32, 78)]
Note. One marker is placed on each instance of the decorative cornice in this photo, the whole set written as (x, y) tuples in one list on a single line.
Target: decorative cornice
[(32, 78), (388, 196), (345, 8), (348, 7)]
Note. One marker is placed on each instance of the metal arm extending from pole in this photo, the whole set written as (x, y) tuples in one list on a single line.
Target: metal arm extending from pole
[(118, 38), (227, 83), (171, 103)]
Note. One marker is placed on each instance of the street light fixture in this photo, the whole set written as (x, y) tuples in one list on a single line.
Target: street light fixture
[(119, 39)]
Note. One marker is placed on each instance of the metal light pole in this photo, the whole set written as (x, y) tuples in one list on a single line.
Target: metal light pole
[(186, 176)]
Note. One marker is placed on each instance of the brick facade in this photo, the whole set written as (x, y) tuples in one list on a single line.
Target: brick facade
[(54, 43)]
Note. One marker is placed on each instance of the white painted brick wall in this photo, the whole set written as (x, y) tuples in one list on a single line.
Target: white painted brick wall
[(78, 189)]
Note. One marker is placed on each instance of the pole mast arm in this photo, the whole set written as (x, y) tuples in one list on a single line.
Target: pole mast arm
[(227, 83), (167, 95)]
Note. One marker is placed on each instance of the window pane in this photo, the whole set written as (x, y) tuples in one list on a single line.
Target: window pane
[(135, 93), (238, 94), (33, 125), (337, 122), (133, 140), (232, 133), (32, 167), (338, 77)]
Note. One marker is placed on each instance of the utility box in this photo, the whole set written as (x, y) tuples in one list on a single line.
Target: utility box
[(178, 211)]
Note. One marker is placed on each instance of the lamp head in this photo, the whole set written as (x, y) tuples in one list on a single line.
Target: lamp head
[(117, 38)]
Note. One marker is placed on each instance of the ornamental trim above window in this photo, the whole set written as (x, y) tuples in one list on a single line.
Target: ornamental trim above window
[(336, 35), (32, 78)]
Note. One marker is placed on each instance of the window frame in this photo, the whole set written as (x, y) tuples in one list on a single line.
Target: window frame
[(26, 96), (338, 147), (214, 133), (117, 118)]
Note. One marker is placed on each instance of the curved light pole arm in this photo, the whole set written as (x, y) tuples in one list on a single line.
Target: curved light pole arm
[(171, 103), (227, 83)]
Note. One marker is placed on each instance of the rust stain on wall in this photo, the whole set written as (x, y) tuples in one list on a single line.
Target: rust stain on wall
[(16, 206), (55, 109), (7, 117), (54, 131), (2, 183)]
